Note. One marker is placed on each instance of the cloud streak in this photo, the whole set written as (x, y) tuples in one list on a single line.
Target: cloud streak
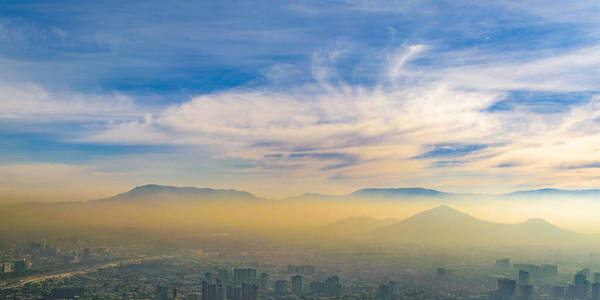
[(397, 97)]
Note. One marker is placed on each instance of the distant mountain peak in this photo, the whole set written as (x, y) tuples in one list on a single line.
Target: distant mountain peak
[(537, 220), (396, 192), (166, 193), (147, 186), (446, 224), (442, 210), (309, 194), (555, 192)]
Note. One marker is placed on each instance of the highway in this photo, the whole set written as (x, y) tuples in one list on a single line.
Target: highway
[(17, 282)]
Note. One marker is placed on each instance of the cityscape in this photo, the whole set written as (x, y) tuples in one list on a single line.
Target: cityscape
[(76, 267), (300, 150)]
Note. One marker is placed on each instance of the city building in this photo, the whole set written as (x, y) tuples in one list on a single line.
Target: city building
[(224, 275), (193, 296), (297, 284), (162, 293), (264, 282), (67, 293), (317, 287), (281, 287), (596, 290), (549, 271), (571, 292), (557, 292), (249, 291), (212, 291), (507, 288), (393, 288), (523, 277), (526, 292), (581, 284), (244, 276), (383, 292), (304, 269), (441, 273), (332, 286), (503, 263), (20, 266)]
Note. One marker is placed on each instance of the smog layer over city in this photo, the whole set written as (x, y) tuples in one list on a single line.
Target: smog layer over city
[(314, 150)]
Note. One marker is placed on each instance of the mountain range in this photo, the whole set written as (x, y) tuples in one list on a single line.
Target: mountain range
[(423, 193), (171, 194), (440, 225), (161, 193), (445, 225)]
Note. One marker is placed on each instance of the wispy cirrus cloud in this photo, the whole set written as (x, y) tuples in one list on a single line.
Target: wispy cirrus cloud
[(413, 93), (450, 150), (31, 102), (396, 121)]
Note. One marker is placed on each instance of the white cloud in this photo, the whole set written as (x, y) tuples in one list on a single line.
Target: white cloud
[(31, 102), (577, 70), (383, 127), (401, 57), (371, 133)]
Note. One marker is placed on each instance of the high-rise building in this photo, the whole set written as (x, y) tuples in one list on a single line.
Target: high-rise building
[(297, 284), (526, 292), (192, 296), (233, 292), (281, 287), (332, 286), (596, 291), (523, 277), (86, 255), (503, 263), (67, 293), (534, 270), (264, 282), (8, 267), (393, 288), (558, 292), (571, 292), (549, 270), (207, 291), (212, 291), (249, 291), (383, 292), (20, 266), (161, 293), (304, 270), (586, 272), (507, 288), (317, 287), (441, 273), (244, 275), (596, 277), (224, 276), (581, 285)]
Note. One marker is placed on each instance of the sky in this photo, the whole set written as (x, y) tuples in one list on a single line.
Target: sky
[(287, 97)]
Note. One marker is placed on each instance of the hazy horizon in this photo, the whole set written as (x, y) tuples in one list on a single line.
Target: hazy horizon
[(370, 97), (348, 149)]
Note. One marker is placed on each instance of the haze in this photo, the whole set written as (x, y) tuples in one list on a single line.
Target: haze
[(348, 149)]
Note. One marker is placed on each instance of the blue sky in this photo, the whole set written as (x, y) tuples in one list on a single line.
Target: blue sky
[(282, 98)]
